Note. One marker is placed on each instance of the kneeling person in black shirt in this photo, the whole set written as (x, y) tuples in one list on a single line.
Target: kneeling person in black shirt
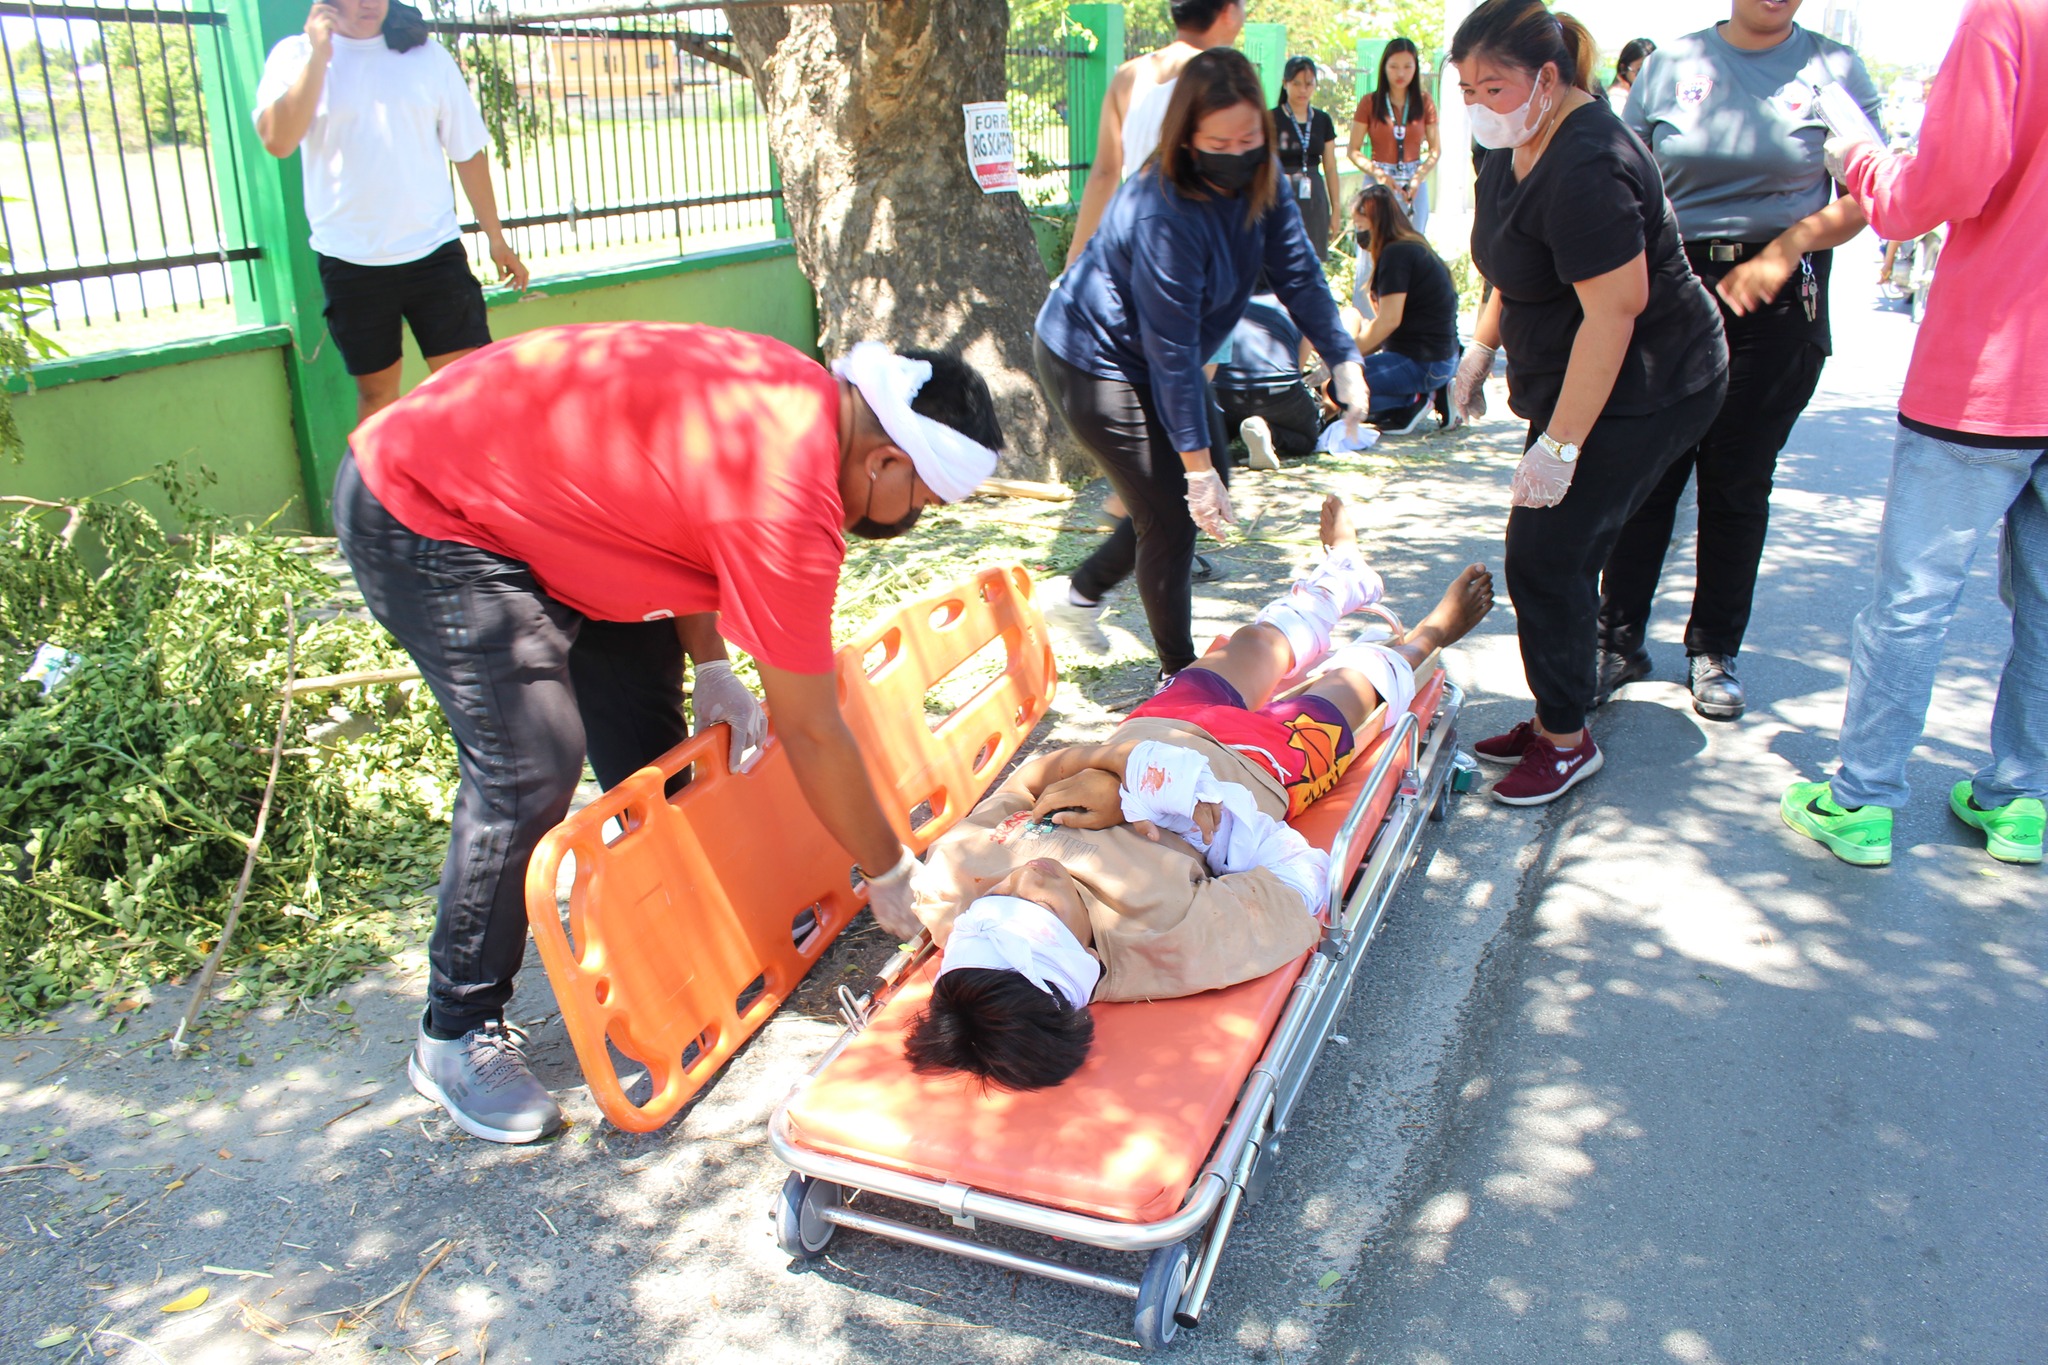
[(1411, 344)]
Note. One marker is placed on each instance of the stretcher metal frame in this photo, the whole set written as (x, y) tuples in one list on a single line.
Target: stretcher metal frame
[(1176, 1284)]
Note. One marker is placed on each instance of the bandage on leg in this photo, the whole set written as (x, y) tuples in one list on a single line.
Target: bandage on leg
[(1391, 675), (1308, 615)]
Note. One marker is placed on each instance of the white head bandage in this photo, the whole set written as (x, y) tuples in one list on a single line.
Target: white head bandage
[(951, 463), (1009, 933)]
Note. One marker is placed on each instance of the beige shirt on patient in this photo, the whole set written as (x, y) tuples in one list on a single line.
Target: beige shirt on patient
[(1164, 925)]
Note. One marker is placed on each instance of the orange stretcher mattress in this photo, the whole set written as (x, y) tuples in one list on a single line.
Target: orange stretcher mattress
[(1126, 1136)]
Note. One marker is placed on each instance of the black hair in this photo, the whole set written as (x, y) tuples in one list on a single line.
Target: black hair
[(997, 1025), (1630, 63), (1199, 15), (1526, 35), (1382, 104), (1295, 66), (1389, 220), (405, 28), (957, 395)]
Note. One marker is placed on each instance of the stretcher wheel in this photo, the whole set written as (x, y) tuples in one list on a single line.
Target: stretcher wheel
[(1166, 1277), (1440, 809), (800, 1228)]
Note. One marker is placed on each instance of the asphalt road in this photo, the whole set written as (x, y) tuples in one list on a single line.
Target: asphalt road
[(1728, 1099), (1640, 1076)]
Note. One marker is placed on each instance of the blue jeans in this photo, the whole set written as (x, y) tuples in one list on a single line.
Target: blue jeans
[(1395, 381), (1942, 499)]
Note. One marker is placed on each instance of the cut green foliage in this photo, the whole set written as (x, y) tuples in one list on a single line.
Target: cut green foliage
[(128, 789)]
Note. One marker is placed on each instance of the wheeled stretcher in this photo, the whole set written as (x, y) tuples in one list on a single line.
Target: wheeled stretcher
[(1174, 1120), (690, 915)]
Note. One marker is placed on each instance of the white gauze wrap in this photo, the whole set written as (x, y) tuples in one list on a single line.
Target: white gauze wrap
[(951, 463), (1164, 783), (1309, 614), (1009, 933), (1393, 677)]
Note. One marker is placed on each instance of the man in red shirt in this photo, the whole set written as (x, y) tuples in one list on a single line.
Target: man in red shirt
[(550, 525)]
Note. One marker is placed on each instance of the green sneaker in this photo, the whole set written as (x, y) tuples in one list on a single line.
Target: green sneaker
[(1862, 836), (2012, 832)]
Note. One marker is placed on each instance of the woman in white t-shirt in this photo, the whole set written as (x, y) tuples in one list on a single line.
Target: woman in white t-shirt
[(378, 112)]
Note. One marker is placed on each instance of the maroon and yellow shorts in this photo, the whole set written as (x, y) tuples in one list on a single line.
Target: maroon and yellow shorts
[(1305, 742)]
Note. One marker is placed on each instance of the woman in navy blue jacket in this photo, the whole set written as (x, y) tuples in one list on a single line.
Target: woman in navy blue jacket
[(1124, 336)]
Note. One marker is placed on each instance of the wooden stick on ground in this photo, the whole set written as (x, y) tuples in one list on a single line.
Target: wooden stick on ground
[(200, 988), (334, 682), (405, 1303)]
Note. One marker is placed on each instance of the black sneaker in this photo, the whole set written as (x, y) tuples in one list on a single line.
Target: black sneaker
[(1618, 669), (1716, 691)]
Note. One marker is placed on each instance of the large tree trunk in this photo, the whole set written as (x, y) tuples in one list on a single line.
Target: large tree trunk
[(864, 116)]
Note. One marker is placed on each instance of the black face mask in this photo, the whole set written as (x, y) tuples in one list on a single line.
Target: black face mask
[(867, 528), (1231, 171), (1363, 237)]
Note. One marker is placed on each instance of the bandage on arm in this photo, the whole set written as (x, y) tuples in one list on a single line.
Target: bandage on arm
[(1249, 839), (1164, 784)]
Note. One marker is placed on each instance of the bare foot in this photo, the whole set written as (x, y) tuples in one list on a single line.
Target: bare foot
[(1464, 605), (1336, 528)]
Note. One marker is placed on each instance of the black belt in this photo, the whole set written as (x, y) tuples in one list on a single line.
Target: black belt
[(1722, 251)]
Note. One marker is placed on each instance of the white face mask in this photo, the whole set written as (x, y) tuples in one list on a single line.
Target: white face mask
[(1497, 131)]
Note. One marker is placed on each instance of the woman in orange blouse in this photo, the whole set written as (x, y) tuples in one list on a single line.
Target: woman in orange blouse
[(1394, 135)]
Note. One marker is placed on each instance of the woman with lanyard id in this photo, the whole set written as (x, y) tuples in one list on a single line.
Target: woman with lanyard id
[(1308, 149), (1394, 135), (1732, 115)]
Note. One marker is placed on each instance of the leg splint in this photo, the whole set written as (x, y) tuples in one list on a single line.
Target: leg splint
[(1309, 614)]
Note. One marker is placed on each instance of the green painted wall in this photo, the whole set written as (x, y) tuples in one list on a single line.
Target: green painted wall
[(232, 413)]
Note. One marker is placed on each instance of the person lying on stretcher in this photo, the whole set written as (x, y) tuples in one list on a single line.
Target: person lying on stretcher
[(1160, 864)]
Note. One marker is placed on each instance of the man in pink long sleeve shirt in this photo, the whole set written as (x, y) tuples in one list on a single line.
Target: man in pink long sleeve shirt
[(1972, 445)]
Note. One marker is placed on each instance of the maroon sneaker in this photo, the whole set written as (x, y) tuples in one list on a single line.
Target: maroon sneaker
[(1547, 772), (1507, 748)]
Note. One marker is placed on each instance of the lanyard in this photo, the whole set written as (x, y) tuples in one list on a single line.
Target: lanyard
[(1300, 135), (1400, 129)]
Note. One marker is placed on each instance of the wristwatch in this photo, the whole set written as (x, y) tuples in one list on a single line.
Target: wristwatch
[(1567, 452)]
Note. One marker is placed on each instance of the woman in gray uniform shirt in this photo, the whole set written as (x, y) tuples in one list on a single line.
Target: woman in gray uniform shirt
[(1731, 114)]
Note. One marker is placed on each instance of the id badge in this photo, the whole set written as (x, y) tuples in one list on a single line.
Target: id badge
[(1304, 188)]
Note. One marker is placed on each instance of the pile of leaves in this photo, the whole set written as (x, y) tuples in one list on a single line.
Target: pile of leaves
[(128, 789)]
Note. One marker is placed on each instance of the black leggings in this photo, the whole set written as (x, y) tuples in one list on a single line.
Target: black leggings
[(1117, 424), (1555, 554), (1774, 363)]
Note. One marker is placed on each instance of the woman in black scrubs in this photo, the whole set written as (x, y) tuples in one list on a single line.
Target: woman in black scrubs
[(1730, 114), (1615, 354)]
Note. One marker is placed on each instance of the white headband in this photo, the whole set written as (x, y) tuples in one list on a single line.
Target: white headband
[(1009, 933), (951, 463)]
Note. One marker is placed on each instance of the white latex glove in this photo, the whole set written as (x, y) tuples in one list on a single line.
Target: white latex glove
[(1209, 502), (1468, 385), (1541, 479), (716, 695), (892, 896), (1349, 382), (1835, 152)]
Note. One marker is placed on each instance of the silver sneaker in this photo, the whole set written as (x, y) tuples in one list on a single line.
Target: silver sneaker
[(1258, 443), (1077, 630), (483, 1081)]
